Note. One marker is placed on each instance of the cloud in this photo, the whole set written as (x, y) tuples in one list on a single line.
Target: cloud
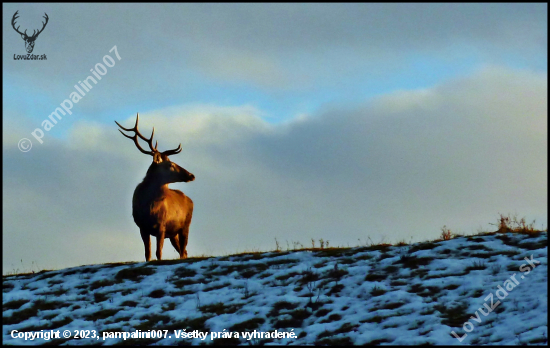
[(399, 166), (272, 46)]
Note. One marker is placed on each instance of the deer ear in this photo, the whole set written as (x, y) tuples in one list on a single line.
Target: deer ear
[(157, 158), (23, 36)]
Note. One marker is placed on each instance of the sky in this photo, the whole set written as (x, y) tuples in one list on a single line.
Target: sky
[(346, 122)]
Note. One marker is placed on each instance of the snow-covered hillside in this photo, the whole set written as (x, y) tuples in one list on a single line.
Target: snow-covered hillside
[(413, 294)]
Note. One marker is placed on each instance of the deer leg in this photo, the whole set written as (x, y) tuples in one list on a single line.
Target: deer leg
[(147, 243), (160, 242), (184, 233), (176, 243), (183, 245)]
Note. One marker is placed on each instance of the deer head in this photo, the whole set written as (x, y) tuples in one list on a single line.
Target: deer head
[(162, 171), (29, 40)]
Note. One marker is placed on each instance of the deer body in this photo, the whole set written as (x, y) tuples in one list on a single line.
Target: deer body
[(172, 207), (158, 210), (162, 213)]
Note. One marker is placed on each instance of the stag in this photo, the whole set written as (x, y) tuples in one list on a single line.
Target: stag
[(29, 40), (157, 210)]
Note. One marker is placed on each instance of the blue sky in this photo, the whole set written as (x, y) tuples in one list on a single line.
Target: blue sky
[(264, 98)]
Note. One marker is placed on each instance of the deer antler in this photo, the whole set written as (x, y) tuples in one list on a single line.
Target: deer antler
[(34, 33), (13, 24), (43, 26), (149, 141), (135, 139), (172, 152)]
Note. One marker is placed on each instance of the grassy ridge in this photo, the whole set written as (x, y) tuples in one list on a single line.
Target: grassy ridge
[(402, 294)]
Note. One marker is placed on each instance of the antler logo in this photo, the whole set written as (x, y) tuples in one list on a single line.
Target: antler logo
[(29, 40)]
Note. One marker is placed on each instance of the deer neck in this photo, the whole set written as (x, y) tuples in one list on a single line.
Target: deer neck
[(151, 189)]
